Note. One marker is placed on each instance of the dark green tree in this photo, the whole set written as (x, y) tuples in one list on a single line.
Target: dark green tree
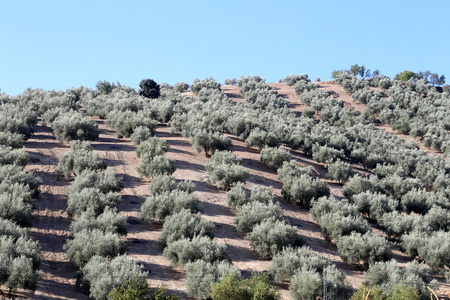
[(149, 88)]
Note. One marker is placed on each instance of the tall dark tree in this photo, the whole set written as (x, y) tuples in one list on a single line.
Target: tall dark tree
[(149, 88)]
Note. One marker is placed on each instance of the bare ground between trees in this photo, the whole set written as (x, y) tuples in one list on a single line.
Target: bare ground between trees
[(51, 225)]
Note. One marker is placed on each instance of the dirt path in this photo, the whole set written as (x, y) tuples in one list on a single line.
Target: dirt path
[(51, 225)]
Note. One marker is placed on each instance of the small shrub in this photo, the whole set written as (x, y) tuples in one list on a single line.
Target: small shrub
[(152, 147), (160, 206), (9, 228), (79, 158), (253, 213), (262, 194), (203, 248), (303, 189), (238, 195), (106, 181), (108, 221), (15, 209), (185, 225), (154, 166), (336, 224), (19, 263), (91, 199), (181, 87), (269, 237), (290, 169), (289, 260), (201, 275), (340, 171), (140, 134), (102, 275), (209, 83), (168, 183), (232, 81), (73, 126), (233, 287), (209, 141), (274, 157), (11, 156), (308, 284), (261, 138), (14, 140), (368, 247), (88, 243)]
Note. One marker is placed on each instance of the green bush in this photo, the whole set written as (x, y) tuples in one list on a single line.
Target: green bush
[(209, 141), (102, 275), (185, 225), (388, 277), (12, 174), (152, 147), (9, 228), (253, 213), (261, 138), (270, 237), (137, 289), (11, 156), (73, 126), (274, 157), (303, 189), (290, 169), (181, 87), (289, 260), (149, 88), (108, 221), (19, 263), (15, 209), (336, 224), (375, 205), (368, 248), (140, 135), (106, 181), (234, 287), (10, 139), (208, 83), (340, 171), (224, 170), (91, 199), (203, 248), (160, 206), (308, 284), (79, 158), (168, 183), (154, 166), (238, 195), (201, 275), (88, 243)]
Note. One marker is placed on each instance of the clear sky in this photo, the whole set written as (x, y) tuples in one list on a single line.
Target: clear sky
[(60, 44)]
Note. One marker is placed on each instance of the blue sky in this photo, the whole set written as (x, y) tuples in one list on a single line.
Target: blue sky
[(60, 44)]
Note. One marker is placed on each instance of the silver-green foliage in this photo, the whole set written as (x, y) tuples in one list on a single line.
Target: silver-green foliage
[(9, 228), (160, 206), (79, 158), (303, 189), (307, 284), (289, 260), (224, 170), (152, 147), (110, 220), (208, 83), (91, 199), (14, 140), (203, 248), (168, 183), (387, 276), (274, 157), (270, 236), (19, 263), (209, 141), (368, 248), (201, 275), (106, 181), (340, 171), (185, 225), (11, 156), (101, 275), (15, 208), (261, 138), (88, 243), (73, 126), (253, 213), (140, 134), (154, 166)]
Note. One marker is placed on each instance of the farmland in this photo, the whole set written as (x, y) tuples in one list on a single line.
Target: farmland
[(354, 173)]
